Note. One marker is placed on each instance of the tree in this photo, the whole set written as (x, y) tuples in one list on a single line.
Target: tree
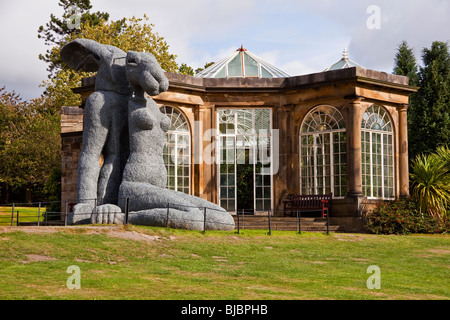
[(57, 29), (127, 34), (198, 70), (185, 69), (430, 108), (405, 63), (29, 143)]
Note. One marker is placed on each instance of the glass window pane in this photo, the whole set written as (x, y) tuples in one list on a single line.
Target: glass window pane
[(251, 66), (235, 67), (265, 73)]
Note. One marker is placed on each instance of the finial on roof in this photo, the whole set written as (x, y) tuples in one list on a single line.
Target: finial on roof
[(241, 48), (345, 54)]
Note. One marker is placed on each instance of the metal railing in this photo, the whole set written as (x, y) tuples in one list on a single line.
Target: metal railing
[(42, 216)]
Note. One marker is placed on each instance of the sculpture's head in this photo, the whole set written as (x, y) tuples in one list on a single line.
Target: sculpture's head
[(144, 71)]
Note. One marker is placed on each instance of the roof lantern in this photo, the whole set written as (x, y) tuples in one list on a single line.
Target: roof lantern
[(244, 64), (345, 62)]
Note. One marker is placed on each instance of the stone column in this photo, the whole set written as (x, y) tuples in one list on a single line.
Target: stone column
[(197, 148), (354, 173), (203, 151), (403, 150)]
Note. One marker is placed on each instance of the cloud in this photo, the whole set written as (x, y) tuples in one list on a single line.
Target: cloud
[(20, 68), (296, 67)]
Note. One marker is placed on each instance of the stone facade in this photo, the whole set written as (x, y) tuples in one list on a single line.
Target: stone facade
[(351, 91), (71, 138)]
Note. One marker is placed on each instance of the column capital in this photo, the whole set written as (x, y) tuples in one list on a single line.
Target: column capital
[(403, 107), (354, 98)]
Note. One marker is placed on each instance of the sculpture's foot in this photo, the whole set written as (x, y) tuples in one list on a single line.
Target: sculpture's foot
[(85, 213), (108, 214), (81, 214)]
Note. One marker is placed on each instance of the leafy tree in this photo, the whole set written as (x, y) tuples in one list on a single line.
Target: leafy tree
[(405, 63), (127, 34), (430, 109), (198, 70), (185, 69), (56, 30), (29, 142)]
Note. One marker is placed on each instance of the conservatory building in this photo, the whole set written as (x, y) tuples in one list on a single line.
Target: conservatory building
[(245, 135)]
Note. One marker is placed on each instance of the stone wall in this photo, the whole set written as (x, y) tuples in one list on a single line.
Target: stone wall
[(71, 138)]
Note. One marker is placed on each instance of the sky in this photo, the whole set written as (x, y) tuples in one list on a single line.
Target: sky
[(297, 36)]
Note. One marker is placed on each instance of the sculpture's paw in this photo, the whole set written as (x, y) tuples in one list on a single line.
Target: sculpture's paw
[(108, 214), (81, 213)]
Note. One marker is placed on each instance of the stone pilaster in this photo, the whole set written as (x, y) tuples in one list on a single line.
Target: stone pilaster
[(403, 150), (354, 173)]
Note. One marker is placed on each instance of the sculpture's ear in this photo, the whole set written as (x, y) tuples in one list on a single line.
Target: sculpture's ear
[(84, 54)]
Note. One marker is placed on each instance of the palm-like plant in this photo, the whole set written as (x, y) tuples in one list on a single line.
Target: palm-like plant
[(431, 181)]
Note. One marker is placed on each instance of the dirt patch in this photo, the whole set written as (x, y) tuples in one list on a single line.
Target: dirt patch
[(111, 231), (362, 260), (132, 235), (439, 251), (82, 260), (30, 229), (220, 259), (37, 258)]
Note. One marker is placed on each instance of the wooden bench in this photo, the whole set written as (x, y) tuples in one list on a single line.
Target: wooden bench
[(320, 202)]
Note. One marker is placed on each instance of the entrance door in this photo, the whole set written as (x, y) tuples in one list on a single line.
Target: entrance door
[(244, 140), (244, 181)]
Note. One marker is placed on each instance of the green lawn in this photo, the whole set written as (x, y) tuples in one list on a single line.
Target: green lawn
[(26, 214), (156, 263)]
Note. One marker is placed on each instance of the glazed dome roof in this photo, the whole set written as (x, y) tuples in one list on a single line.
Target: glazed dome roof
[(345, 62), (242, 63)]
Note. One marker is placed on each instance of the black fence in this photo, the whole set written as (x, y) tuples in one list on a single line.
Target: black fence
[(41, 214), (37, 213)]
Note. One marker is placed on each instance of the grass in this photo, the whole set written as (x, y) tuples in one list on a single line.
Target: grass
[(26, 214), (155, 263)]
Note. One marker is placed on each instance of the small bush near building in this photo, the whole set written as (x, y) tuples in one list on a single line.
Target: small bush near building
[(403, 217)]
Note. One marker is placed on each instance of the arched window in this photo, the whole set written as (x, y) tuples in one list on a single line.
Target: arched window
[(377, 149), (323, 165), (177, 151)]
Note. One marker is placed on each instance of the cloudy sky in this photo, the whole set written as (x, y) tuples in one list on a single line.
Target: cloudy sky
[(300, 37)]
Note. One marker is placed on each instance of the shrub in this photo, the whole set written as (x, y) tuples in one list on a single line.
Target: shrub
[(431, 182), (403, 217)]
